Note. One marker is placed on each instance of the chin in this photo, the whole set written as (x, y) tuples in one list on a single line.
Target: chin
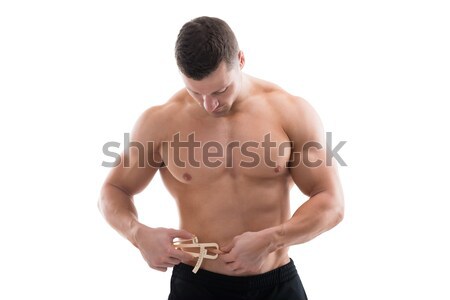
[(221, 112), (218, 114)]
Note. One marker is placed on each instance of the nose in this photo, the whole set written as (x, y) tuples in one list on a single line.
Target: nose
[(210, 103)]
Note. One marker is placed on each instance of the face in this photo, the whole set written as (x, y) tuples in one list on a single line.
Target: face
[(218, 91)]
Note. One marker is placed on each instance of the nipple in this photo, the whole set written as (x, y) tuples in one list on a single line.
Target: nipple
[(277, 169), (187, 177)]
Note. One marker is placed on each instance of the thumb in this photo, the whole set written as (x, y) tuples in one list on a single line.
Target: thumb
[(182, 234), (227, 248)]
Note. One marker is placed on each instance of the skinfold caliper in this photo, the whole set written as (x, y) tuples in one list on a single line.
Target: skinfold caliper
[(203, 250)]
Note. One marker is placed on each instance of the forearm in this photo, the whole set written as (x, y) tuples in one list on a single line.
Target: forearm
[(320, 213), (118, 209)]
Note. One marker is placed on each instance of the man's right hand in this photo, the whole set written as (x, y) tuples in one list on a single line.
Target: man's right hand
[(156, 246)]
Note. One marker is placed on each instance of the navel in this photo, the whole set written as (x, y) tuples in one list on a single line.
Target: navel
[(277, 169)]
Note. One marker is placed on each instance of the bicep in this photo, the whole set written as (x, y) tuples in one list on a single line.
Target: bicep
[(311, 173), (308, 165)]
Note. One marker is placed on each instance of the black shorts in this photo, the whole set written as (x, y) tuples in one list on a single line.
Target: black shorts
[(282, 283)]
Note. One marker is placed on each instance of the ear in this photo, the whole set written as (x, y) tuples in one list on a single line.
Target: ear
[(241, 59)]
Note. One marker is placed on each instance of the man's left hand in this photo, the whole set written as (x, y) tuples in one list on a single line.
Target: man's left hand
[(246, 253)]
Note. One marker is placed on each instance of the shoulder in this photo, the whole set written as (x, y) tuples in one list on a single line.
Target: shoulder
[(174, 104), (301, 121), (276, 97), (297, 116), (153, 122)]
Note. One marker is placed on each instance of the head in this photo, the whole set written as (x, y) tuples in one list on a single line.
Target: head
[(209, 59)]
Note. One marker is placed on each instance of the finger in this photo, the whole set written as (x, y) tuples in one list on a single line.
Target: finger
[(181, 255), (161, 269), (227, 258), (233, 267), (227, 248), (216, 251), (182, 234), (168, 265), (172, 261), (238, 271)]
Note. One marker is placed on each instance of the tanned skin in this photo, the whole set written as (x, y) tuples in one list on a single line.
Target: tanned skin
[(243, 209)]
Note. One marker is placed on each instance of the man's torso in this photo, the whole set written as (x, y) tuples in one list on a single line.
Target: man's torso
[(244, 184)]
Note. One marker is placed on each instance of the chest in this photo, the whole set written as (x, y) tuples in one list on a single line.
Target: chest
[(243, 146)]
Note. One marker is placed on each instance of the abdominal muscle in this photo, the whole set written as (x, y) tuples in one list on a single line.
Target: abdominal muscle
[(219, 216)]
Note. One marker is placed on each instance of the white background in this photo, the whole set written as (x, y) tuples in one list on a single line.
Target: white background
[(76, 74)]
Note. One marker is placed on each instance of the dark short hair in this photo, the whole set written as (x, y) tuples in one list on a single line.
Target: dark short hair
[(202, 44)]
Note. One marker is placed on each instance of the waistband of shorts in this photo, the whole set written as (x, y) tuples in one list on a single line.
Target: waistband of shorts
[(265, 280)]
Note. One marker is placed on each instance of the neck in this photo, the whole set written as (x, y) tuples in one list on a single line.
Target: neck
[(245, 89)]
